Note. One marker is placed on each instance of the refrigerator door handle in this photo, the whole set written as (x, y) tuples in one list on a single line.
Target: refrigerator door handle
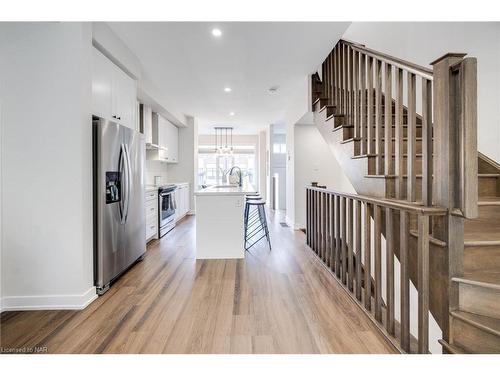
[(123, 165), (129, 182)]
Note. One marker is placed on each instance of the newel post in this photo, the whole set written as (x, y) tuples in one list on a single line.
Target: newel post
[(455, 168)]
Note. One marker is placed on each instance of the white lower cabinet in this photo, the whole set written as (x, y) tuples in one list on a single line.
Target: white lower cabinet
[(182, 198), (151, 215)]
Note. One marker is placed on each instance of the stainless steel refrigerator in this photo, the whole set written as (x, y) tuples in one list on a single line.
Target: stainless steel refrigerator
[(119, 213)]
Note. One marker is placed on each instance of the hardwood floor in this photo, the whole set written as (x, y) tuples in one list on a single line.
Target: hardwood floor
[(283, 301)]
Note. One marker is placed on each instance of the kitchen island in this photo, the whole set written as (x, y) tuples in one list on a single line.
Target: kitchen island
[(219, 221)]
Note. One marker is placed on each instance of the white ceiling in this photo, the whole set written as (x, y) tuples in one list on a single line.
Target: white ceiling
[(191, 67)]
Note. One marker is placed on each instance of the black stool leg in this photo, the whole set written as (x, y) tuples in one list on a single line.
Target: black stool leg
[(266, 228)]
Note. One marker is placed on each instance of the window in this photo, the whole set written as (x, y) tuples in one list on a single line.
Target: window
[(279, 148), (213, 169)]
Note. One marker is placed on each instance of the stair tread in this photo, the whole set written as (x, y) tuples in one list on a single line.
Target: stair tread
[(480, 278), (486, 323), (481, 229), (452, 348), (489, 201)]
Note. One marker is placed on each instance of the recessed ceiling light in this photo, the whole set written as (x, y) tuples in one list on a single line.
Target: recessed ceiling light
[(216, 32), (273, 89), (227, 89), (231, 113)]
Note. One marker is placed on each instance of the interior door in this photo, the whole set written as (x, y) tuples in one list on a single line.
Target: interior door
[(135, 225)]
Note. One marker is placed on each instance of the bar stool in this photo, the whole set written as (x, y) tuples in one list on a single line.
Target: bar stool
[(255, 223)]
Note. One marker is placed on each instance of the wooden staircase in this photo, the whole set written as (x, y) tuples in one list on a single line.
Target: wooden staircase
[(475, 322), (393, 152)]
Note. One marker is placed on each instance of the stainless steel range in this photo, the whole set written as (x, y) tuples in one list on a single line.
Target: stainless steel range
[(166, 209)]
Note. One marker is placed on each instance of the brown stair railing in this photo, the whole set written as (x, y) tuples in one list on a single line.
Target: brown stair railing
[(366, 90), (339, 231)]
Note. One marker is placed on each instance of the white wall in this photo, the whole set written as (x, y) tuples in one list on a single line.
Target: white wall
[(155, 168), (299, 105), (423, 42), (1, 207), (314, 161), (45, 91), (263, 163), (184, 170), (278, 166)]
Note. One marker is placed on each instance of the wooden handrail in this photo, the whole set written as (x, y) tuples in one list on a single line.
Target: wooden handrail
[(399, 63), (389, 203)]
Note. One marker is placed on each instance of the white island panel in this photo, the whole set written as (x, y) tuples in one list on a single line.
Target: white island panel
[(219, 226), (219, 221)]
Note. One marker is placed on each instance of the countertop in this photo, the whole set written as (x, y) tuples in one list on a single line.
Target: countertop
[(227, 190), (156, 187)]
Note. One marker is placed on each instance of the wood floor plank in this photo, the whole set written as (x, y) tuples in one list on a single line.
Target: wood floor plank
[(279, 301)]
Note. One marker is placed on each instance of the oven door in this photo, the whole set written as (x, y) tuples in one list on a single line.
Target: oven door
[(167, 212)]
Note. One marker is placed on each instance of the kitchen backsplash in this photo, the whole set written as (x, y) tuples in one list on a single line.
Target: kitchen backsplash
[(155, 168)]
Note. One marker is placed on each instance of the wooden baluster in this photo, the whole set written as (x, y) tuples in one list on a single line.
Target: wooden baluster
[(316, 221), (327, 229), (338, 245), (411, 180), (399, 134), (346, 84), (332, 232), (308, 211), (355, 82), (389, 161), (378, 261), (362, 88), (318, 224), (332, 92), (389, 245), (367, 262), (423, 284), (344, 239), (358, 250), (350, 243), (323, 226), (369, 110), (379, 148), (349, 86), (341, 77), (405, 281), (313, 208), (323, 80), (338, 94), (426, 142)]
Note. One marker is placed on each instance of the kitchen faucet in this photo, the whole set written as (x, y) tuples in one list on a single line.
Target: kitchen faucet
[(240, 177)]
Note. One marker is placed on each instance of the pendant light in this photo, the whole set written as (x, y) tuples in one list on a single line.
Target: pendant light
[(226, 140)]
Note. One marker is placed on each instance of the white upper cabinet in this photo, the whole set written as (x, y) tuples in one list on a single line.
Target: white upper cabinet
[(102, 74), (147, 123), (114, 93), (172, 142), (124, 91), (166, 136)]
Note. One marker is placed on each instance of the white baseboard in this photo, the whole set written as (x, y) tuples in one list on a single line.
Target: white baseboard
[(191, 212), (51, 302)]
